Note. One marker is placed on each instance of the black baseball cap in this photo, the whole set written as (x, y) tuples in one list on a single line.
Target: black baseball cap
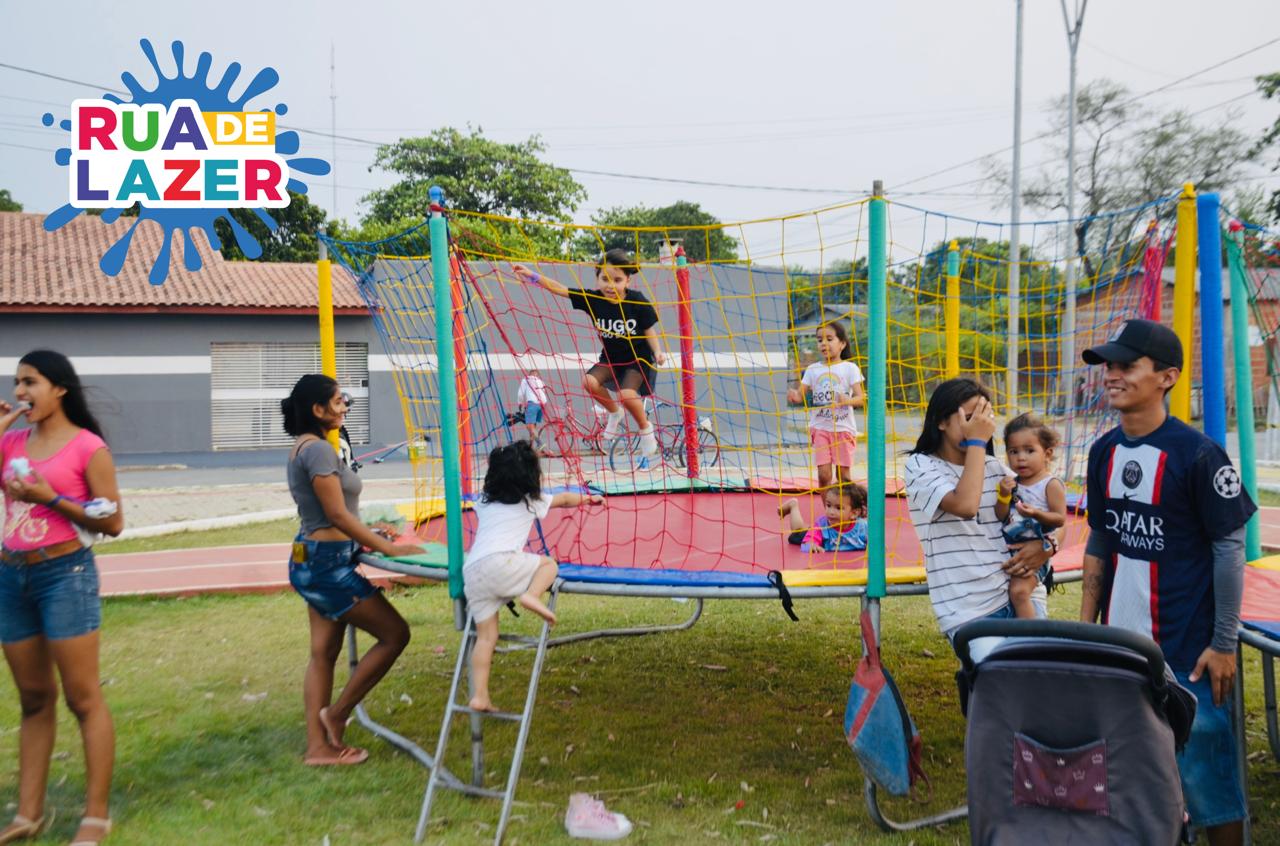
[(1135, 339)]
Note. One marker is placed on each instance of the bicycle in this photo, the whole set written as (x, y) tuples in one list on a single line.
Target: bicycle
[(624, 452), (564, 436)]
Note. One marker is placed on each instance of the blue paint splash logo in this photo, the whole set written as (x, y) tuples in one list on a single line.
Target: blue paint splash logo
[(209, 98)]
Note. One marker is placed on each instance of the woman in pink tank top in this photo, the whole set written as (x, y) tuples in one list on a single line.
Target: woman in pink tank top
[(56, 474)]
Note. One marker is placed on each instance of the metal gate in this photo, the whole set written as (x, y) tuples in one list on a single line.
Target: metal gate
[(250, 379)]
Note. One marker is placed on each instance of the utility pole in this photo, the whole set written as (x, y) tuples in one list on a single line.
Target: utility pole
[(1015, 248), (1068, 364)]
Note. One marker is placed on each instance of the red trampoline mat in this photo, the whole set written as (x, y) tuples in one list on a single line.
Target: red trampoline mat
[(708, 530)]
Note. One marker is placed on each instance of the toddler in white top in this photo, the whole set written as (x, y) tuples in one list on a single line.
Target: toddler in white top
[(497, 568), (1033, 502)]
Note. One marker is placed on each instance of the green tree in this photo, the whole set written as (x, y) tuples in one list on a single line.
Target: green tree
[(293, 240), (641, 229), (8, 203), (1269, 87), (477, 175)]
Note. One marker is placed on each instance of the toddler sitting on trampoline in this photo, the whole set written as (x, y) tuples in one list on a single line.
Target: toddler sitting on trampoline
[(843, 528), (497, 568)]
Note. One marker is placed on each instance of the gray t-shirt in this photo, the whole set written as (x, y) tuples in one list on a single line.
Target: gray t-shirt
[(317, 458)]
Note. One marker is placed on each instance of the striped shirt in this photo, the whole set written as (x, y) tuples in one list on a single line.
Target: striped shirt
[(962, 557)]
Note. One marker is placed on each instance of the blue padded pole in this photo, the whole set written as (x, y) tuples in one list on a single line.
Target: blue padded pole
[(1213, 367)]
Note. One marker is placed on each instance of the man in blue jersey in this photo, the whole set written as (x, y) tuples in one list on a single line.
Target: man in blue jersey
[(1165, 556)]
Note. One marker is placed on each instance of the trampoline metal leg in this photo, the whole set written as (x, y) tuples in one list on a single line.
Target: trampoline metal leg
[(396, 739), (1242, 742), (1269, 702), (886, 824), (636, 631)]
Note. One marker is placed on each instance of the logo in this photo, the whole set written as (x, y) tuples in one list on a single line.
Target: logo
[(185, 152), (1131, 476), (1226, 482)]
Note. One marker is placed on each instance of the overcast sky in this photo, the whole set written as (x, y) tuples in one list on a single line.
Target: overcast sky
[(821, 95)]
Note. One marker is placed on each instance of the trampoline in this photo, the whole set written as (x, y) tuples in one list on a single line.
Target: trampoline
[(1260, 628), (461, 329)]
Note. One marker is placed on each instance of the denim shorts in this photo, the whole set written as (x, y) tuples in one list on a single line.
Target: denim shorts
[(57, 598), (324, 574), (1208, 764), (533, 414)]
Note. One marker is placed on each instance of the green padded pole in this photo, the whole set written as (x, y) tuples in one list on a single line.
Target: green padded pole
[(1244, 383), (877, 355), (449, 447)]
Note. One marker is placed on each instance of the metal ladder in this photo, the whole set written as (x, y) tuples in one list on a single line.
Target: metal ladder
[(441, 777)]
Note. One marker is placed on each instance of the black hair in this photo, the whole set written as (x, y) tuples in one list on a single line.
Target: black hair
[(852, 492), (311, 390), (514, 474), (620, 258), (944, 402), (837, 326), (57, 368), (1047, 436)]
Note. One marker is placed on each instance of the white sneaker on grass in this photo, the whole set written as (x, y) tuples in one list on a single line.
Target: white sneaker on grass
[(589, 819)]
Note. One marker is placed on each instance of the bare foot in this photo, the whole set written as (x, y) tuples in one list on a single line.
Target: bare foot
[(333, 729), (481, 704), (535, 605), (788, 506)]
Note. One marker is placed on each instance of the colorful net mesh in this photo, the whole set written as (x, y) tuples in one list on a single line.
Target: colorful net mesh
[(738, 332)]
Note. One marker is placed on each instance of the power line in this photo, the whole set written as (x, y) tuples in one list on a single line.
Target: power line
[(1132, 100), (743, 186)]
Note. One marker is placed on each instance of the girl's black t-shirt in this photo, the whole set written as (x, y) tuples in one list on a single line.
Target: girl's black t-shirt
[(621, 324)]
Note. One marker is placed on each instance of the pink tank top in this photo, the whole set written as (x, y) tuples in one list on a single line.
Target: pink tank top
[(30, 526)]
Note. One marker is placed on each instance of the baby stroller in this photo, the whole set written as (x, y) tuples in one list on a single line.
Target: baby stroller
[(1071, 735)]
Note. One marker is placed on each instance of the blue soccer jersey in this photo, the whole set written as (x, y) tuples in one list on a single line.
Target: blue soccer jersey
[(1160, 501)]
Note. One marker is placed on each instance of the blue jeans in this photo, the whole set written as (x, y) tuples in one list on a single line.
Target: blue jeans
[(1208, 763), (57, 598), (981, 647), (324, 574)]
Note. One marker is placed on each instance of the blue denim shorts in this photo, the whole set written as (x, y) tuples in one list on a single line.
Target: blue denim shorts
[(1208, 764), (324, 574), (57, 598), (532, 414)]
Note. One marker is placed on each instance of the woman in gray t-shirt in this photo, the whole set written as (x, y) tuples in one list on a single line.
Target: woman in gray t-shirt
[(322, 568)]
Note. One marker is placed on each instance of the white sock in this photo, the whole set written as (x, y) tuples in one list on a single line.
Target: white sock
[(648, 441), (613, 423)]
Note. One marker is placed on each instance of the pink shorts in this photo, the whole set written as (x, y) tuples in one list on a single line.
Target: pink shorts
[(832, 447)]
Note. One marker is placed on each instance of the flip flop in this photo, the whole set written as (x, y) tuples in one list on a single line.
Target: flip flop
[(349, 755), (101, 823), (23, 828)]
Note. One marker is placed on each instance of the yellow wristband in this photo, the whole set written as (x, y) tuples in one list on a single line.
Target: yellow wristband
[(1004, 499)]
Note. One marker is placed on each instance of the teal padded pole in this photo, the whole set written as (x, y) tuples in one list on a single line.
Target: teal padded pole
[(877, 408), (1244, 382), (449, 446)]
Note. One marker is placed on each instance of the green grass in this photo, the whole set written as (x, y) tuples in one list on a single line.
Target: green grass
[(671, 730), (277, 531), (1268, 498)]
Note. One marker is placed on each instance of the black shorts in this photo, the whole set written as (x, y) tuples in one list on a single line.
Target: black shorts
[(638, 376), (797, 538)]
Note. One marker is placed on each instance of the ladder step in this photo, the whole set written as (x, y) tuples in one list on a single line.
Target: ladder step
[(493, 715)]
